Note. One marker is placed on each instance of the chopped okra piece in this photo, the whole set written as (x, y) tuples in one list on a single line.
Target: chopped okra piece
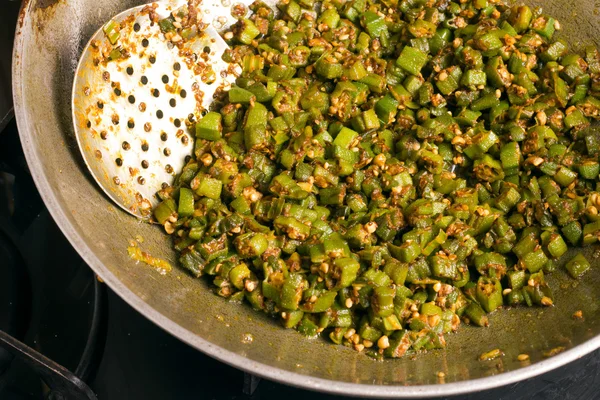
[(412, 60), (578, 266)]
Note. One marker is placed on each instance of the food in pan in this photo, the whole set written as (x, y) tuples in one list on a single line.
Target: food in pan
[(384, 170)]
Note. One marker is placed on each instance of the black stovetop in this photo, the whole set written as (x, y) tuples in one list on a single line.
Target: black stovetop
[(50, 300)]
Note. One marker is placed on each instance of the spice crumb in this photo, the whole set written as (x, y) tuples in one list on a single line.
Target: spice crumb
[(491, 355), (554, 351)]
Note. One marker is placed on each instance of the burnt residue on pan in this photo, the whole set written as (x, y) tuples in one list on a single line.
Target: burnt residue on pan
[(44, 11), (46, 3)]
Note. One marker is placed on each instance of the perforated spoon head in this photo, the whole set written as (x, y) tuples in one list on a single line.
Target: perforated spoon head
[(136, 98)]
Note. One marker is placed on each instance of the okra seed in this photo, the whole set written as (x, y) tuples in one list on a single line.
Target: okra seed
[(383, 342)]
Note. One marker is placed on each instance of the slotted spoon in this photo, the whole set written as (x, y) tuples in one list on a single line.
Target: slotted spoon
[(140, 86)]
